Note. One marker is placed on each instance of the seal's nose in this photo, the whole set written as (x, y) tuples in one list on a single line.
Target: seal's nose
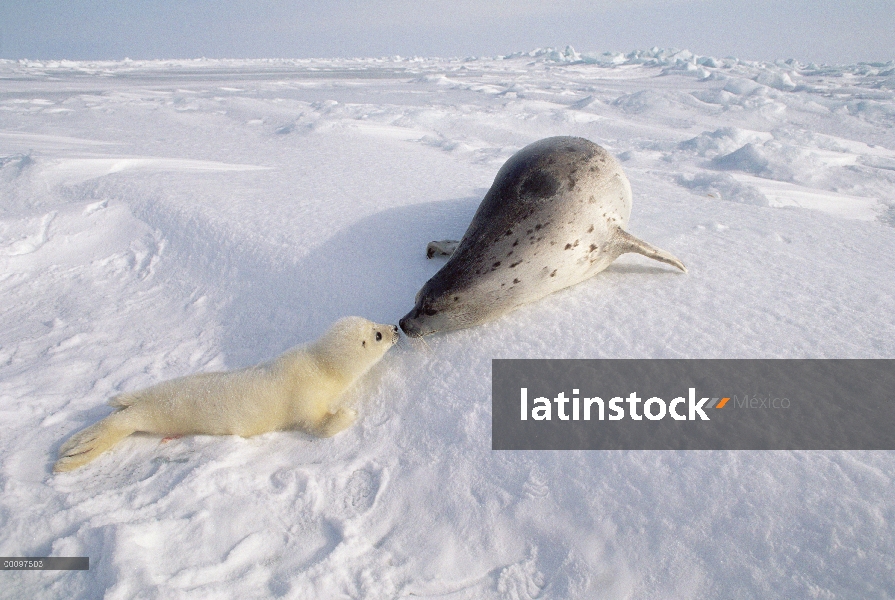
[(410, 328)]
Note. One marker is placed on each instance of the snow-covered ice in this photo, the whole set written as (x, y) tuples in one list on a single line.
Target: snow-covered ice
[(169, 217)]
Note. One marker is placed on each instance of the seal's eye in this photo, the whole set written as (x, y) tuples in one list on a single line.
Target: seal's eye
[(378, 337)]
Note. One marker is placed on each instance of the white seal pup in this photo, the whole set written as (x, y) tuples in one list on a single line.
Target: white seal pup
[(300, 389), (554, 216)]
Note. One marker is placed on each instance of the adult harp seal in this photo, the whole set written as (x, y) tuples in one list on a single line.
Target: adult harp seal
[(554, 216)]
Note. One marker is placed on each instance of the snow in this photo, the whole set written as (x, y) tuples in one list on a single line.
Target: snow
[(170, 217)]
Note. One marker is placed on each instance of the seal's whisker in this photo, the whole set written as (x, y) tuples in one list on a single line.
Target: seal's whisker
[(416, 342)]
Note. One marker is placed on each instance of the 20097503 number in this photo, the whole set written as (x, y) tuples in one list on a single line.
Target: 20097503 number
[(22, 564), (44, 563)]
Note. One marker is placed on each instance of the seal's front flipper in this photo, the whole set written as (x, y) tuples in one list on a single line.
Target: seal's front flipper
[(625, 242), (441, 248)]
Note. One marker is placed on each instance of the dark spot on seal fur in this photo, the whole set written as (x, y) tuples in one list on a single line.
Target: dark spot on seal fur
[(515, 281), (572, 183), (516, 243), (568, 246), (538, 227), (529, 232), (591, 230), (592, 200), (593, 247), (509, 232), (510, 252), (539, 185), (456, 298), (495, 265), (553, 274), (515, 264)]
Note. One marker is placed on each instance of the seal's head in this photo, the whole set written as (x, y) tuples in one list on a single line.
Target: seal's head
[(442, 305), (428, 316)]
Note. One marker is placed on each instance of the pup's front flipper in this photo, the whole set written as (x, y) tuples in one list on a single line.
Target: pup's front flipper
[(335, 422), (87, 444)]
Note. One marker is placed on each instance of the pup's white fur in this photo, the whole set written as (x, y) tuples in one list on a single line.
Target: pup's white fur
[(298, 390)]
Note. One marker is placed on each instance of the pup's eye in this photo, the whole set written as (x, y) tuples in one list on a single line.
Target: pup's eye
[(378, 337)]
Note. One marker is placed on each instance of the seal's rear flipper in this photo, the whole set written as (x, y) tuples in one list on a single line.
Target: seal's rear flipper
[(625, 242), (441, 248)]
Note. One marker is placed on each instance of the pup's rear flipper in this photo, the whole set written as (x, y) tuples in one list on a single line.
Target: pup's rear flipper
[(87, 444), (625, 242)]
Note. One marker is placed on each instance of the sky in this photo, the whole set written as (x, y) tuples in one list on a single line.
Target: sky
[(823, 31)]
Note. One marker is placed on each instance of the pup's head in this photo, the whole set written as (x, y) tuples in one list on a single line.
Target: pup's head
[(355, 344)]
